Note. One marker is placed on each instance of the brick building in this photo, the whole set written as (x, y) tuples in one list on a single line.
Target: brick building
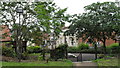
[(5, 37), (74, 41), (4, 33)]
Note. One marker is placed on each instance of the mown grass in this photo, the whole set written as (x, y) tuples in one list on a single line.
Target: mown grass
[(107, 62), (38, 63)]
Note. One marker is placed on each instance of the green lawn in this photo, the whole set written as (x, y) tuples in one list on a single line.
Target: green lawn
[(38, 63), (107, 62)]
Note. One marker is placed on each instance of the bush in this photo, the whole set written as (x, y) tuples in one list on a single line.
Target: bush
[(100, 56), (83, 46), (40, 58), (114, 48), (88, 51), (72, 49), (80, 47), (91, 51), (34, 49), (8, 51), (59, 52), (25, 55)]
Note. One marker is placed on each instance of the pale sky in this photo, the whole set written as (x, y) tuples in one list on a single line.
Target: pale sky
[(76, 6)]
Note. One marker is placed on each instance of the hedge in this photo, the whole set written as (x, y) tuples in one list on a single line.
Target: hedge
[(113, 48), (80, 47), (59, 52), (34, 49), (8, 51), (83, 46)]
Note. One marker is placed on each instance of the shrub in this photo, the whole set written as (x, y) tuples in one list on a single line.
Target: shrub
[(83, 46), (91, 51), (113, 48), (72, 49), (59, 52), (25, 55), (8, 51), (63, 46), (33, 56), (88, 51), (101, 56), (40, 58), (80, 47), (34, 49)]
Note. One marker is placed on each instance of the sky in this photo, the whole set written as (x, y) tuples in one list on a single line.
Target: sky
[(76, 6)]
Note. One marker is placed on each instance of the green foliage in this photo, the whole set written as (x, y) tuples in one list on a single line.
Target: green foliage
[(83, 46), (34, 49), (62, 46), (101, 55), (10, 19), (114, 48), (34, 56), (108, 63), (40, 58), (24, 55), (80, 48), (8, 51), (38, 17), (50, 16), (100, 22), (59, 52), (76, 50), (20, 30), (66, 64), (72, 49), (88, 51)]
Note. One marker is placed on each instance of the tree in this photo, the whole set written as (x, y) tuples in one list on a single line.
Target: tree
[(105, 15), (98, 22), (19, 30), (52, 17), (36, 19)]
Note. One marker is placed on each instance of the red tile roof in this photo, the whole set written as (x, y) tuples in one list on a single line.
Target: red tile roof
[(5, 33)]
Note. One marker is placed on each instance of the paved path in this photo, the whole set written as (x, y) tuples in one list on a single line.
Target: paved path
[(85, 64)]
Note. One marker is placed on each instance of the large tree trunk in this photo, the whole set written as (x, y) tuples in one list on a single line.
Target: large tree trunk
[(119, 53), (43, 53), (95, 51), (115, 41), (18, 45), (104, 46), (19, 50), (66, 52)]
